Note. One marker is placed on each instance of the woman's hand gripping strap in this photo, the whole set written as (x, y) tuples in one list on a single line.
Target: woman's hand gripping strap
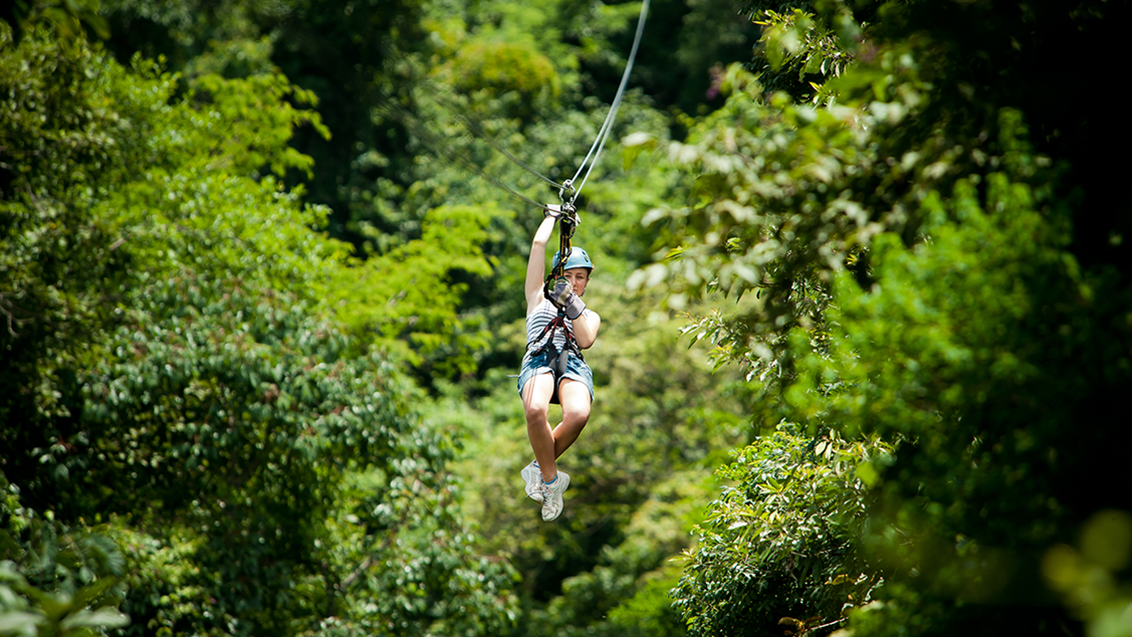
[(563, 296)]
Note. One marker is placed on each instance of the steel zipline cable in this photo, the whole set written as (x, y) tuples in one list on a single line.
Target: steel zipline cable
[(567, 191), (607, 125)]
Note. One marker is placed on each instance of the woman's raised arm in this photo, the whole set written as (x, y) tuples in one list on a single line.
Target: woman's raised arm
[(536, 264)]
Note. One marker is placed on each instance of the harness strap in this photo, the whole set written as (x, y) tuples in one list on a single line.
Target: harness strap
[(551, 325)]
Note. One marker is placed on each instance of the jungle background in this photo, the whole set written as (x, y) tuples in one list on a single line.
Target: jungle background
[(862, 266)]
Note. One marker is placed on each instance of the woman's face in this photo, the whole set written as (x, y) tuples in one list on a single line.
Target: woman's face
[(578, 277)]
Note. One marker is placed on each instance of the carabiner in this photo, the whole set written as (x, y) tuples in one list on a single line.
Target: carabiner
[(567, 185)]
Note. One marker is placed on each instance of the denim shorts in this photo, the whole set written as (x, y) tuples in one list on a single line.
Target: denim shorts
[(576, 369)]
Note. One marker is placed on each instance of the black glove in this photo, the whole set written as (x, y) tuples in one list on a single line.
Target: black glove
[(563, 296)]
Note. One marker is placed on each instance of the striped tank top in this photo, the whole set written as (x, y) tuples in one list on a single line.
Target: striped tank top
[(536, 323)]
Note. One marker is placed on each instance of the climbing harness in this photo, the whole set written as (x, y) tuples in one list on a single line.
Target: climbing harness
[(557, 360)]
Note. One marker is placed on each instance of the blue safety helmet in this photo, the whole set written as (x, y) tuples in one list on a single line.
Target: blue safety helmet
[(578, 259)]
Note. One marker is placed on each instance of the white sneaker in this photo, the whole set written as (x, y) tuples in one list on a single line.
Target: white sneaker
[(552, 496), (532, 475)]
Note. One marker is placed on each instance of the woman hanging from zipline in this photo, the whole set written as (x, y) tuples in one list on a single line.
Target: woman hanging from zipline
[(559, 327)]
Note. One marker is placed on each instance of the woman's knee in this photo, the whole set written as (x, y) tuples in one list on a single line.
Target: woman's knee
[(535, 412), (576, 405), (578, 414), (536, 397)]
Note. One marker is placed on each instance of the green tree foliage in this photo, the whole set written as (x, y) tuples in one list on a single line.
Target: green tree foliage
[(500, 69), (55, 580), (56, 256), (642, 465), (777, 546), (345, 53), (933, 263), (800, 48), (684, 41), (68, 19), (175, 376), (414, 297), (972, 378)]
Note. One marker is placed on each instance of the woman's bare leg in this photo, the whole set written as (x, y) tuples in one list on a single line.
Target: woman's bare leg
[(575, 399), (536, 404)]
